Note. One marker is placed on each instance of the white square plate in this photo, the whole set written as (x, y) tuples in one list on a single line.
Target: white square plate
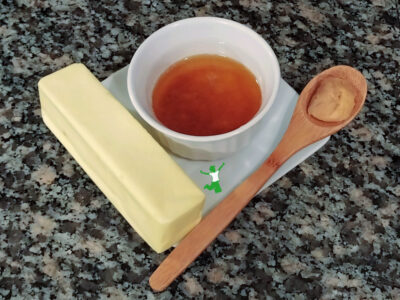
[(242, 164)]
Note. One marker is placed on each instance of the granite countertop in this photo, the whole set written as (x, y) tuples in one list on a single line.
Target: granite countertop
[(330, 229)]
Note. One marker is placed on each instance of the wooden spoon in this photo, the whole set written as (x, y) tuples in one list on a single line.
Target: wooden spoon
[(303, 130)]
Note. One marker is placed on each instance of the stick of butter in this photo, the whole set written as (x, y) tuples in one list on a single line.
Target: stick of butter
[(135, 173)]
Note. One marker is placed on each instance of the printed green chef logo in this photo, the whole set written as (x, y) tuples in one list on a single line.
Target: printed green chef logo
[(214, 179)]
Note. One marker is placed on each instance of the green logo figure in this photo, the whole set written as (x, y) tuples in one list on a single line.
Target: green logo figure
[(215, 179)]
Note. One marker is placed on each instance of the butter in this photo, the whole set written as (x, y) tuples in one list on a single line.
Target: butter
[(136, 174), (333, 101)]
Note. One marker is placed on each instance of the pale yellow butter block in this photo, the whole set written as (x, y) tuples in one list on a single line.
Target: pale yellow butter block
[(135, 173)]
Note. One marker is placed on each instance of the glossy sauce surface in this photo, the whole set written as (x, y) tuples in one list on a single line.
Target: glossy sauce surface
[(206, 95)]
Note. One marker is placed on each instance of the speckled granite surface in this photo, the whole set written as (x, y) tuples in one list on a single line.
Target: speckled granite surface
[(330, 229)]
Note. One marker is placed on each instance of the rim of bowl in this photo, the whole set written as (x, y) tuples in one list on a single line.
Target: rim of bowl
[(169, 132)]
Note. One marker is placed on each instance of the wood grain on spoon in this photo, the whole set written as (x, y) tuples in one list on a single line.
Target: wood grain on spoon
[(303, 130)]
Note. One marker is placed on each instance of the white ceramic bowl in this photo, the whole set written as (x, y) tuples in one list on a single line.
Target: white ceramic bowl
[(202, 35)]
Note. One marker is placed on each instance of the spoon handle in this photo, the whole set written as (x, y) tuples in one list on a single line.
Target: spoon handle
[(203, 234)]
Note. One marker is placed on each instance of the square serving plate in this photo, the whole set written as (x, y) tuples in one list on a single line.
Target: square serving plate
[(240, 165)]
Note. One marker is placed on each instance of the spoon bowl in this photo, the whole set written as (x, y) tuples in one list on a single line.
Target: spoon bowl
[(349, 74), (303, 130)]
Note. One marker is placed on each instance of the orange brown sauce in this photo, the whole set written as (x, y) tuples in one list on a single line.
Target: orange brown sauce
[(206, 95)]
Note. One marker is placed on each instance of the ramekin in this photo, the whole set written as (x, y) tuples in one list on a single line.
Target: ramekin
[(193, 36)]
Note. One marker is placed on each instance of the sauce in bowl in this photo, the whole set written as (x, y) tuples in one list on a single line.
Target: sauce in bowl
[(206, 95)]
